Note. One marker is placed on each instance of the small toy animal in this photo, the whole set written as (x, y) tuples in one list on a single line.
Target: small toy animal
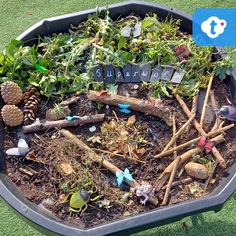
[(144, 190)]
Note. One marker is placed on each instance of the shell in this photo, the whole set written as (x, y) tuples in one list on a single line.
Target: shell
[(11, 93), (12, 115), (196, 170)]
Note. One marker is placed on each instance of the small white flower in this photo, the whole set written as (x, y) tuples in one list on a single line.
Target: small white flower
[(92, 129)]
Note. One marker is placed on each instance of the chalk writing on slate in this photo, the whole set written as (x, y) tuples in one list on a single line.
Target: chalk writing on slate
[(127, 70), (131, 73), (135, 73), (167, 73), (98, 73), (137, 29), (177, 77), (156, 74), (146, 72), (126, 31), (119, 75), (109, 74)]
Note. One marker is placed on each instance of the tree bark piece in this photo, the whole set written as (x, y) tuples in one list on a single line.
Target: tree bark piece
[(70, 100), (206, 101), (182, 159), (174, 170), (157, 109), (187, 144), (96, 158), (40, 125), (179, 132), (215, 152)]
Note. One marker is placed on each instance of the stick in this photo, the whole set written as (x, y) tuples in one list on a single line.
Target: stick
[(215, 152), (96, 158), (215, 107), (187, 144), (40, 125), (70, 101), (180, 131), (194, 109), (173, 172), (187, 180), (119, 155), (158, 109), (206, 101), (182, 159)]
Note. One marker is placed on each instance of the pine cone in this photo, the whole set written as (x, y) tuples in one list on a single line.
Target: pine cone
[(58, 113), (31, 90), (12, 115), (31, 109), (11, 93)]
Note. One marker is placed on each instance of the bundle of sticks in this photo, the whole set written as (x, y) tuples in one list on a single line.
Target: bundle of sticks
[(216, 135)]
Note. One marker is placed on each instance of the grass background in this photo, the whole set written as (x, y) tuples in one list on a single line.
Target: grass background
[(17, 16)]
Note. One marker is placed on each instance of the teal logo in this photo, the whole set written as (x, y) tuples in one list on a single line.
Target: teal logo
[(214, 26)]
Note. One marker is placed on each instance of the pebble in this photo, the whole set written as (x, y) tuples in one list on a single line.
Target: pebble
[(107, 107), (196, 170), (92, 129)]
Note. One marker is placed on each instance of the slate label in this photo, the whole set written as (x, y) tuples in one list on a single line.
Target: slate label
[(177, 77), (98, 73), (109, 74), (156, 74), (146, 72), (119, 75), (127, 71), (167, 73), (135, 73)]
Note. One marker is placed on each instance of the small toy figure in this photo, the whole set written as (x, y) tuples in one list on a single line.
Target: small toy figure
[(144, 190), (227, 112)]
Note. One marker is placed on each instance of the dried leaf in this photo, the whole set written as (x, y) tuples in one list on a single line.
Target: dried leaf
[(141, 151), (131, 121), (66, 168), (95, 139)]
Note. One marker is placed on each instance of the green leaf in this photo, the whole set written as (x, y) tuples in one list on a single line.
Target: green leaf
[(121, 42), (112, 89), (147, 23)]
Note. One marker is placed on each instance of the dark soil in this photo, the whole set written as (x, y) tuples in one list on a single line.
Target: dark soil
[(43, 187)]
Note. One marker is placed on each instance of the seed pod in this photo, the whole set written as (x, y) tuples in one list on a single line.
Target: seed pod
[(11, 93), (12, 115), (196, 170)]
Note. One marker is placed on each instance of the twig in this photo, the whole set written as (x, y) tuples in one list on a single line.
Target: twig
[(195, 140), (206, 101), (96, 158), (183, 158), (215, 152), (194, 109), (215, 107), (187, 180), (40, 125), (174, 170), (119, 155), (70, 101), (179, 132), (211, 174), (117, 119), (158, 109)]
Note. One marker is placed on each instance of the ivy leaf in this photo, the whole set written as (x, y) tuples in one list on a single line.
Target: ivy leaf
[(121, 42), (222, 72)]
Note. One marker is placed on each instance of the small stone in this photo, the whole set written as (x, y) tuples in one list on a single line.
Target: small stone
[(107, 107), (92, 129), (136, 86), (126, 213), (196, 170)]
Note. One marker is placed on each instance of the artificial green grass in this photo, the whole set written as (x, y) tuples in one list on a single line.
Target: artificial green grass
[(17, 16)]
